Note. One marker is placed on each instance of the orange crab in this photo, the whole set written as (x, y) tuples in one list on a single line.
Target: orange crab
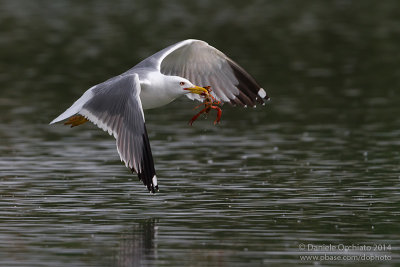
[(210, 103)]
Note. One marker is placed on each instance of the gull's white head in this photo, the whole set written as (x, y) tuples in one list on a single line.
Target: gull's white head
[(184, 86)]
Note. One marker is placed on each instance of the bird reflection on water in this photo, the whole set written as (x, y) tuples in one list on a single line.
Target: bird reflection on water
[(138, 247)]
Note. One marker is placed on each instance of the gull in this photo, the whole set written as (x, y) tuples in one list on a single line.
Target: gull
[(116, 105)]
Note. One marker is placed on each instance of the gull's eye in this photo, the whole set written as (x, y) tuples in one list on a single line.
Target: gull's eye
[(182, 83)]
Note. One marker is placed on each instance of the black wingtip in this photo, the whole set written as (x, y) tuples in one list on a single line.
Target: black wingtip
[(148, 181), (250, 92), (147, 173)]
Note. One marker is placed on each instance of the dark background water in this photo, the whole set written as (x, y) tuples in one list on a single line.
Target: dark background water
[(319, 165)]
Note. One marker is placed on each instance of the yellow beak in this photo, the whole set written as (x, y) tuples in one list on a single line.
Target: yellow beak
[(197, 90)]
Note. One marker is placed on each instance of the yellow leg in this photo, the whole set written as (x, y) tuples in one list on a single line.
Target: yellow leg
[(76, 120)]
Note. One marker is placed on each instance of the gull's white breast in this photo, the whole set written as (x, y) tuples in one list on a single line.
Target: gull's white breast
[(156, 91)]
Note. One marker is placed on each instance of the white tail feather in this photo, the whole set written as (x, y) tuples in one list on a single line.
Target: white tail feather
[(76, 107)]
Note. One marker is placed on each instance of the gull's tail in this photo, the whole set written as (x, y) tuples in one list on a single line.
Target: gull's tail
[(76, 107)]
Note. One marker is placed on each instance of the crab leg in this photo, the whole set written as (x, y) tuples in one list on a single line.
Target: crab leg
[(218, 114), (209, 102), (204, 110), (196, 107)]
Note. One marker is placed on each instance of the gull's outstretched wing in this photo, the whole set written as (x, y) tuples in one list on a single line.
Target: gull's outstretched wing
[(204, 65), (115, 107)]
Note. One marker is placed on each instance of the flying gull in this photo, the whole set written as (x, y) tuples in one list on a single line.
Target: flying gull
[(116, 105)]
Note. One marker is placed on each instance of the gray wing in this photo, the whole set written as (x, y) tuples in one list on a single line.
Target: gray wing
[(115, 107), (204, 65)]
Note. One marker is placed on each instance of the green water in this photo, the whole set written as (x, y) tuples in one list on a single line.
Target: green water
[(319, 165)]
